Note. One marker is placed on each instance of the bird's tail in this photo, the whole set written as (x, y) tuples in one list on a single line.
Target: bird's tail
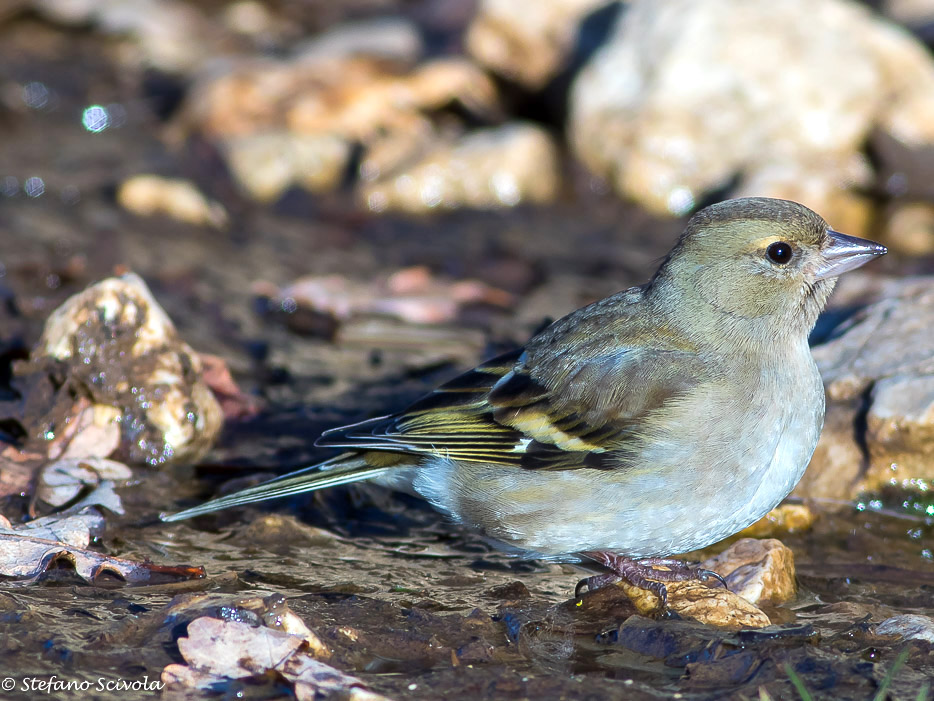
[(343, 469)]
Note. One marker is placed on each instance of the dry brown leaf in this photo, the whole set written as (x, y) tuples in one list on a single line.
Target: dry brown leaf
[(910, 626), (216, 649), (92, 430), (64, 479), (234, 649), (17, 470), (414, 295), (234, 403), (271, 611), (27, 551), (183, 675), (314, 679)]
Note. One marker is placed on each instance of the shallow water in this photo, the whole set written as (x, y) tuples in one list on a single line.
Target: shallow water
[(430, 609)]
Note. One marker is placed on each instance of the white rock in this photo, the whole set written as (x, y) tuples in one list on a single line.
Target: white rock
[(486, 169), (527, 41), (687, 95)]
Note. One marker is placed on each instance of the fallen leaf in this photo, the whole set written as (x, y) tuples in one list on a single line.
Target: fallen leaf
[(27, 551), (64, 479), (17, 470), (216, 649), (103, 495), (183, 675), (234, 403), (75, 529), (93, 430), (414, 295), (314, 679), (271, 611), (234, 649), (910, 626)]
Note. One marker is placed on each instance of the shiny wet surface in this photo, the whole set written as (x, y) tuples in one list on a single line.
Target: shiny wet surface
[(416, 608)]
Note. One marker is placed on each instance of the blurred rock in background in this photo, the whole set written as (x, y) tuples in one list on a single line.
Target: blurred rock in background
[(773, 99), (449, 104), (527, 41)]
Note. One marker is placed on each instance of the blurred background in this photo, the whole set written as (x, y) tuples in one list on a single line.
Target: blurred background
[(274, 165)]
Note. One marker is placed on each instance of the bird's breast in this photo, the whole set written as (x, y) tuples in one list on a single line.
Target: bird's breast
[(701, 469)]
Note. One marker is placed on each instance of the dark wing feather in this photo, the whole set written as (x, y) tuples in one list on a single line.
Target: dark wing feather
[(501, 413), (455, 420)]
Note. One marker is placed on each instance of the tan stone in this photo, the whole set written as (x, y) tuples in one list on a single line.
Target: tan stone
[(838, 462), (283, 530), (285, 123), (486, 169), (760, 571), (268, 163), (117, 331), (148, 195), (910, 229), (784, 518), (822, 185), (892, 337), (880, 363), (702, 602), (527, 41), (169, 35), (900, 431)]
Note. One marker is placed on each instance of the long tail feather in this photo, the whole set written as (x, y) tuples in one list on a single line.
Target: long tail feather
[(343, 469)]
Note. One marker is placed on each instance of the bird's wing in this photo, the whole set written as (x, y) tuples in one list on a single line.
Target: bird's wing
[(505, 412)]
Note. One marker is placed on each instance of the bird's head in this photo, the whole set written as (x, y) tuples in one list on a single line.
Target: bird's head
[(758, 258)]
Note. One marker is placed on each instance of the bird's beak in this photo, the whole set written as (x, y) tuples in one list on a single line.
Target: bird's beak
[(846, 253)]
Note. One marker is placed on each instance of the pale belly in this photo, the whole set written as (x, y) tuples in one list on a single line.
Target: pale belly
[(683, 494)]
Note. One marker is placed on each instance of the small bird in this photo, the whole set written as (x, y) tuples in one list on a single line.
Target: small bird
[(651, 423)]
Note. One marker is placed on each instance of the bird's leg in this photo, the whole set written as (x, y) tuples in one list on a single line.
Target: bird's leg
[(643, 573)]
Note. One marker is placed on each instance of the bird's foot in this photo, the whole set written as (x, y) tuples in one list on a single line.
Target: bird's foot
[(643, 573)]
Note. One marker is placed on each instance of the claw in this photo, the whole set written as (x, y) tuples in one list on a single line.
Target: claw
[(704, 575), (643, 574), (595, 582)]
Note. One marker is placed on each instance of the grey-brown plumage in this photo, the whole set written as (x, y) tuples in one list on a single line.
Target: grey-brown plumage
[(650, 423)]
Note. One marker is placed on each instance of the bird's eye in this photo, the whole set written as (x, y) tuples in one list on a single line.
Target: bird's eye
[(779, 252)]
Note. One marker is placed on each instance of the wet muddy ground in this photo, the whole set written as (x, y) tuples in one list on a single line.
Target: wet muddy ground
[(412, 606)]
